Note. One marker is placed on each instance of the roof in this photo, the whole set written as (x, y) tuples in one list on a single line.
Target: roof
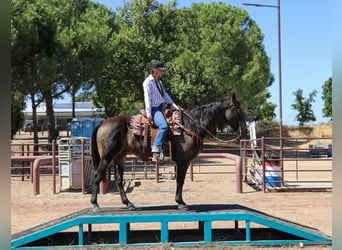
[(66, 107)]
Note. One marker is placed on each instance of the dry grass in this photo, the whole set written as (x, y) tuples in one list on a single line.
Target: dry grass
[(323, 130)]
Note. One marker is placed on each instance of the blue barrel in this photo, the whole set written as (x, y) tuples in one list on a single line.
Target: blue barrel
[(273, 174)]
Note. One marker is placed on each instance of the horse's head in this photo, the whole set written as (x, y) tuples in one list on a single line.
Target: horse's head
[(234, 115)]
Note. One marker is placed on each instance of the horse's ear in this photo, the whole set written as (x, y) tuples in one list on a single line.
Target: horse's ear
[(230, 100)]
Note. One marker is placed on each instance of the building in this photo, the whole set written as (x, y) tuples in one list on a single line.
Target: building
[(63, 113)]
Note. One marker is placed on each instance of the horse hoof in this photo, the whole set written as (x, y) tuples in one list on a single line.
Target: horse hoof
[(131, 207), (96, 209), (183, 207)]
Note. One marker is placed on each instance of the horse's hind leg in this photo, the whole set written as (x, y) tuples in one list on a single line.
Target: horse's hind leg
[(100, 174), (119, 184)]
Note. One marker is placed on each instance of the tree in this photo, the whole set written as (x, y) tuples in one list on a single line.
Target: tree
[(304, 106), (24, 56), (220, 51), (210, 51), (327, 98), (146, 32), (17, 107), (86, 45), (56, 46), (265, 113)]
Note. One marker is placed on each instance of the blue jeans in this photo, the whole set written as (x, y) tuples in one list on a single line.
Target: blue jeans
[(159, 121)]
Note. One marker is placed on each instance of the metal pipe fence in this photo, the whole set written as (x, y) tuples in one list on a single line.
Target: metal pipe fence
[(306, 163), (31, 164)]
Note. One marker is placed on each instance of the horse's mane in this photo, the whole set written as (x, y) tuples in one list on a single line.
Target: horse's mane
[(201, 116)]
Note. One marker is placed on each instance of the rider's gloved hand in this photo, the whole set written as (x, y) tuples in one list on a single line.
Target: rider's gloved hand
[(150, 119)]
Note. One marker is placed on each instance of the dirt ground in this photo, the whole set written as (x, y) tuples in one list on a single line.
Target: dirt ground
[(313, 209)]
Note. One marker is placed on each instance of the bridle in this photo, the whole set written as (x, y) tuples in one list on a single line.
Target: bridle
[(211, 134)]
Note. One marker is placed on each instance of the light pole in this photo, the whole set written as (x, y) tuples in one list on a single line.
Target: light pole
[(279, 65), (279, 77)]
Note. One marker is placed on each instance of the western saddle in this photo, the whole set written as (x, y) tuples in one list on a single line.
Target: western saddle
[(140, 126)]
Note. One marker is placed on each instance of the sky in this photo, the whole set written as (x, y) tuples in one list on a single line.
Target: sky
[(306, 46)]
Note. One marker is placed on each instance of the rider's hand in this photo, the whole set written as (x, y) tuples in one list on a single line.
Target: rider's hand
[(150, 119), (179, 108)]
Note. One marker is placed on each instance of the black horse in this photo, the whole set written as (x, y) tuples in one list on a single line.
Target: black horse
[(112, 140)]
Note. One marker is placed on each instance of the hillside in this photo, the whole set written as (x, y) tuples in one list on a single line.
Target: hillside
[(272, 130), (320, 130), (320, 133)]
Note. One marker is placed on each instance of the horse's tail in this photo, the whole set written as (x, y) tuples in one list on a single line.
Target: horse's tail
[(94, 149)]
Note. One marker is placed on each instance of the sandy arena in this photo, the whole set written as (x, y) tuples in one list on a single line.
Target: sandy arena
[(313, 209)]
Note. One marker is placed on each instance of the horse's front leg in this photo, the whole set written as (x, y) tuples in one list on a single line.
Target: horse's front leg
[(181, 172), (119, 184), (100, 174)]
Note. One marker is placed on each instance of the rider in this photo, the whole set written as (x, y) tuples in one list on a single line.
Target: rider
[(155, 95)]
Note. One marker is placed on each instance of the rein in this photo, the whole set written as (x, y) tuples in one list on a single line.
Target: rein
[(206, 130), (192, 133)]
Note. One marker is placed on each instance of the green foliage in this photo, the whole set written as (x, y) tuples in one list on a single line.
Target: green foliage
[(304, 106), (86, 43), (265, 112), (327, 98), (84, 96), (58, 46), (210, 51), (145, 33), (220, 52)]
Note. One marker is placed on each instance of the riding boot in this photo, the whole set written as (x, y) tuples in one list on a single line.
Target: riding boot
[(161, 153), (158, 153)]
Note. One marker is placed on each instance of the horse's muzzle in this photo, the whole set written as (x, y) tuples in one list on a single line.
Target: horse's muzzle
[(242, 130)]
